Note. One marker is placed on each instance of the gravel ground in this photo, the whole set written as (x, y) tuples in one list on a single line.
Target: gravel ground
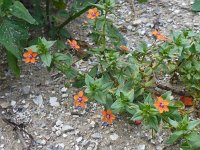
[(40, 100)]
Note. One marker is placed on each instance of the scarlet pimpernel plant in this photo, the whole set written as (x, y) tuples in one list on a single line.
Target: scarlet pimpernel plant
[(121, 80)]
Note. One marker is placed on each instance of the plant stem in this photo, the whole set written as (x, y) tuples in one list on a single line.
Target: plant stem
[(74, 16), (47, 15)]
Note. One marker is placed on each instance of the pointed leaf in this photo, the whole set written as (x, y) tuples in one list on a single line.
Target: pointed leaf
[(19, 11), (46, 58), (174, 137), (11, 35)]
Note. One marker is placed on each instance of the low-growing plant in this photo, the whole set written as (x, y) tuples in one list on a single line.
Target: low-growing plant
[(124, 81)]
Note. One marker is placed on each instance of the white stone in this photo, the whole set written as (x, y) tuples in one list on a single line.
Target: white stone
[(38, 100), (76, 147), (64, 90), (141, 147), (58, 133), (64, 95), (137, 22), (64, 135), (79, 139), (67, 128), (59, 122), (114, 136), (13, 103), (53, 102), (96, 136)]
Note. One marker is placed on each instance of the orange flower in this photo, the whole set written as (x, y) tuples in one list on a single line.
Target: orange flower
[(80, 99), (73, 44), (93, 13), (187, 101), (30, 56), (161, 105), (108, 116), (123, 48), (159, 36)]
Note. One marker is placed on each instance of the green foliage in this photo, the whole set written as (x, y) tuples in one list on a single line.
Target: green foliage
[(196, 5), (185, 130), (123, 81), (18, 10)]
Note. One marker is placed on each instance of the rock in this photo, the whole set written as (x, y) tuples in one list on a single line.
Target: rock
[(159, 148), (96, 136), (5, 104), (59, 122), (63, 90), (92, 124), (13, 103), (67, 128), (177, 11), (129, 27), (58, 133), (64, 95), (41, 141), (137, 22), (79, 139), (114, 136), (26, 90), (60, 146), (64, 135), (53, 102), (38, 100), (85, 143), (2, 146), (76, 147), (141, 32), (141, 147)]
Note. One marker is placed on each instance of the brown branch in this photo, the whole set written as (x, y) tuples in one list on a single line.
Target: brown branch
[(164, 87)]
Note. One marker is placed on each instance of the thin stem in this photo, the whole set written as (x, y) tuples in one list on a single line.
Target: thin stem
[(47, 15), (74, 16)]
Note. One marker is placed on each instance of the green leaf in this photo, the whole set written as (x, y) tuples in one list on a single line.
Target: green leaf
[(193, 124), (11, 35), (70, 73), (63, 57), (33, 47), (130, 95), (93, 71), (79, 82), (47, 44), (142, 47), (167, 95), (194, 140), (137, 116), (131, 108), (173, 123), (100, 97), (149, 100), (152, 122), (142, 1), (174, 137), (115, 36), (102, 7), (12, 63), (196, 5), (117, 106), (60, 45), (19, 11), (88, 80), (46, 58)]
